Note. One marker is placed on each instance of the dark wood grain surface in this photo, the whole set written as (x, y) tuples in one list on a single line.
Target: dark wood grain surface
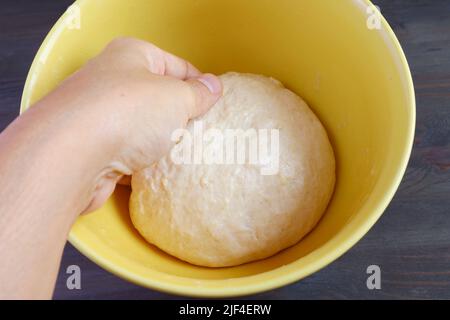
[(411, 242)]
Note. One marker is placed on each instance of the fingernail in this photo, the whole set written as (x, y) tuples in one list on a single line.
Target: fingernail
[(212, 82)]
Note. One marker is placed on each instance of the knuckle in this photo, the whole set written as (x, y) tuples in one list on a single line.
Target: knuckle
[(190, 99), (129, 43), (120, 41), (191, 94)]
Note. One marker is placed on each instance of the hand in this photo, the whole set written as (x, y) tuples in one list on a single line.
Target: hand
[(137, 94), (65, 155)]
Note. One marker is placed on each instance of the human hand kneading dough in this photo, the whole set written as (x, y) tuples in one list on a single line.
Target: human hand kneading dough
[(65, 155)]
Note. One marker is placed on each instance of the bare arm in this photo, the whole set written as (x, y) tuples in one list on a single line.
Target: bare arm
[(65, 155)]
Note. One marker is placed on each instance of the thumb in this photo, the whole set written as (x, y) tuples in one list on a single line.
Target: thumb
[(207, 89)]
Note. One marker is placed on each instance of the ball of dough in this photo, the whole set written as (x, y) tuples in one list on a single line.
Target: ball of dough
[(219, 215)]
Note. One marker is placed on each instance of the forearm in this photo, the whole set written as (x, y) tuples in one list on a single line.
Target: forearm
[(48, 173)]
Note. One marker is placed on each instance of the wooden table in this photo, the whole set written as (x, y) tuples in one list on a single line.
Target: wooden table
[(411, 242)]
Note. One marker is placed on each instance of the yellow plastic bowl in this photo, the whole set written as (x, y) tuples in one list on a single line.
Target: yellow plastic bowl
[(356, 80)]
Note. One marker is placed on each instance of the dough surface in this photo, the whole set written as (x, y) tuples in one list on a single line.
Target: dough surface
[(219, 215)]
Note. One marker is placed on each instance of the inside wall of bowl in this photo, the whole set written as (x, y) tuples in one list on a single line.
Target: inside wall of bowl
[(327, 55)]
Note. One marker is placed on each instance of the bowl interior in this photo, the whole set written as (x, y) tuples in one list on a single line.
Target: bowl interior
[(355, 79)]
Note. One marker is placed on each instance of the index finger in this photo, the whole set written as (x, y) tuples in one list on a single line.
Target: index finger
[(165, 63), (156, 59)]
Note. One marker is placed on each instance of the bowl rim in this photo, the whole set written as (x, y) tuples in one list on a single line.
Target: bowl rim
[(320, 258)]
